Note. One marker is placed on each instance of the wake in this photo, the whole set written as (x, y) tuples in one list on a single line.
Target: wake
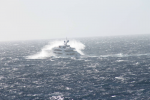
[(46, 51)]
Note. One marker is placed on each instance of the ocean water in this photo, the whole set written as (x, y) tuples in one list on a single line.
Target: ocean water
[(111, 68)]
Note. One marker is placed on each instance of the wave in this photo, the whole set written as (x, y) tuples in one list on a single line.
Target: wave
[(46, 51), (125, 55)]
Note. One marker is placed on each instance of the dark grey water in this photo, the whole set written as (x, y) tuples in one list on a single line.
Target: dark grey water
[(115, 68)]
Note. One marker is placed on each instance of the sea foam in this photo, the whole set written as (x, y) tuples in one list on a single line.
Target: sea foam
[(46, 51)]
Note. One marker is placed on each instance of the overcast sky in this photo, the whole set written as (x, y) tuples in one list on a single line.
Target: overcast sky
[(46, 19)]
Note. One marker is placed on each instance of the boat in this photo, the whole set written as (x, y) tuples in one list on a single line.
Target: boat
[(65, 51)]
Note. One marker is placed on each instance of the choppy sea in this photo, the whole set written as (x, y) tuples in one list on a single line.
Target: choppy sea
[(111, 68)]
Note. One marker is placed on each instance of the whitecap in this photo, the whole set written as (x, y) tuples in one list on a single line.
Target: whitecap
[(120, 78), (56, 96), (46, 51)]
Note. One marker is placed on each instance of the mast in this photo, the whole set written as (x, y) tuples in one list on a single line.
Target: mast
[(65, 42)]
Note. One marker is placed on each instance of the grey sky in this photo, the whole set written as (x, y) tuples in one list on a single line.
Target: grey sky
[(46, 19)]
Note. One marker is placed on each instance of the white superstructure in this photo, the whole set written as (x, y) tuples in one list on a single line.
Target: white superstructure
[(65, 51)]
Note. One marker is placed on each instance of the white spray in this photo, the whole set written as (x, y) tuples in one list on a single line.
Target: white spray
[(47, 50)]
